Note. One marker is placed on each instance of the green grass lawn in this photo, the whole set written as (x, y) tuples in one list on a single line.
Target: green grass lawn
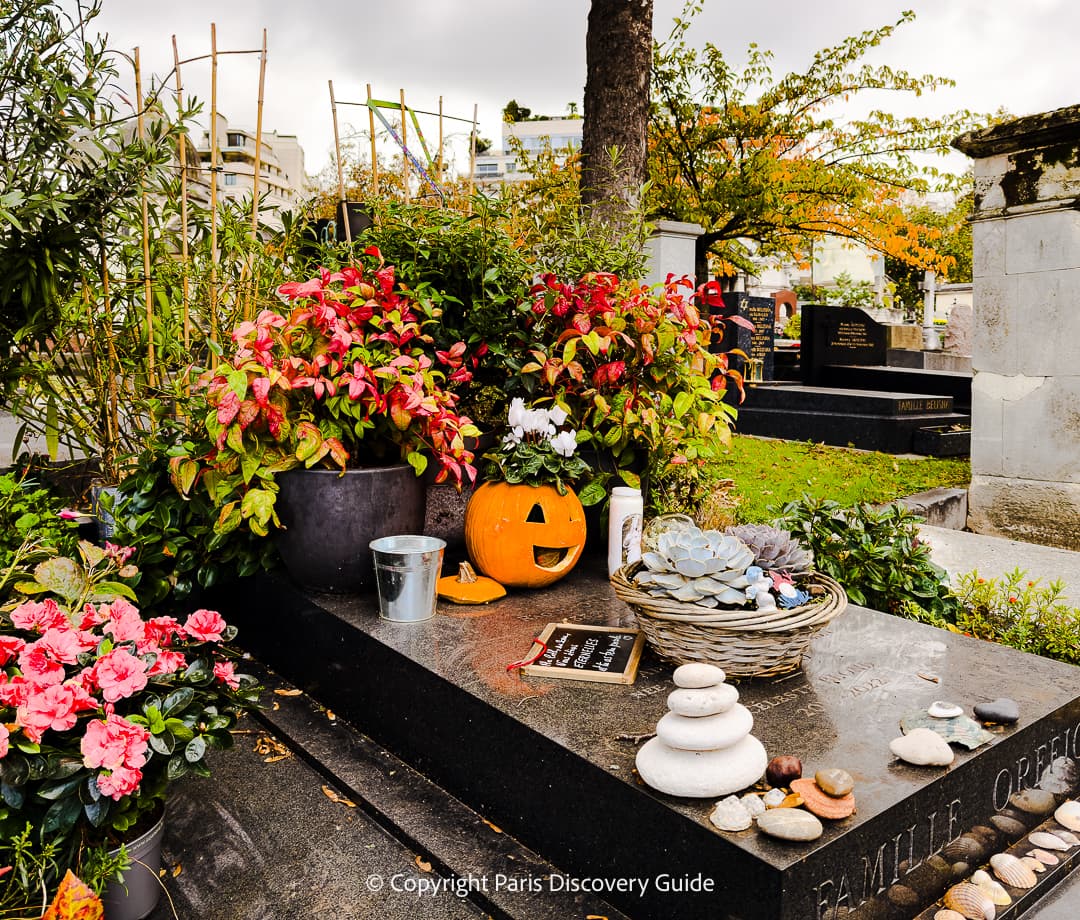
[(770, 473)]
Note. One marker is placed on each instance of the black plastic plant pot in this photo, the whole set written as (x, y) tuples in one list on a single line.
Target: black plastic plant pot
[(331, 518)]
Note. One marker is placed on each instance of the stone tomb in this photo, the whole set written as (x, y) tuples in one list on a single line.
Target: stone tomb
[(552, 762), (758, 344)]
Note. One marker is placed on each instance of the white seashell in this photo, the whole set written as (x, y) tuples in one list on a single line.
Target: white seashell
[(1011, 871), (1068, 815), (993, 888), (1047, 841), (940, 709), (1033, 864), (947, 914), (1046, 858), (971, 901), (731, 815), (1071, 839)]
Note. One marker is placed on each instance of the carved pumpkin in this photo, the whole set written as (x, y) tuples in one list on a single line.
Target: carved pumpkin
[(524, 536)]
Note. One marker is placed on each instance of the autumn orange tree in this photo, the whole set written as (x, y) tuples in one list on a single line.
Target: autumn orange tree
[(782, 161)]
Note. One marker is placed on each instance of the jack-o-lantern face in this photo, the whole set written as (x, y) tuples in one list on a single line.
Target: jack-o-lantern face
[(524, 536)]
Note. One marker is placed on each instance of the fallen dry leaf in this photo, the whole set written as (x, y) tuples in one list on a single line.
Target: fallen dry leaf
[(177, 869), (276, 707), (335, 797), (271, 749), (422, 865), (331, 716), (498, 830), (933, 678), (293, 692)]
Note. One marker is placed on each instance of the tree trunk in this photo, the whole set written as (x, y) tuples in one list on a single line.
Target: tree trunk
[(618, 53)]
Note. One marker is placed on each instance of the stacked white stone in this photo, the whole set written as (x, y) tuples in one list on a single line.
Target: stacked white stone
[(703, 747)]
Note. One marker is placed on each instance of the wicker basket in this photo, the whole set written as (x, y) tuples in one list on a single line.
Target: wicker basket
[(743, 641)]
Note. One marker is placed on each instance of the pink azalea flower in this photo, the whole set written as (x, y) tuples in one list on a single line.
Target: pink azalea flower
[(39, 667), (39, 616), (93, 616), (62, 645), (167, 662), (4, 734), (161, 630), (205, 625), (113, 743), (125, 623), (10, 646), (119, 674), (120, 782), (14, 690), (53, 707), (225, 671), (120, 553)]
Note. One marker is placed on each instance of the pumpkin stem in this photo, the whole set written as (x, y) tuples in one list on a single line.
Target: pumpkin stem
[(466, 574)]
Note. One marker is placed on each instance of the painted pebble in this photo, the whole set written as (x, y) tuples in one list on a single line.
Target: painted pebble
[(1002, 711), (707, 701), (697, 676), (790, 824), (731, 815), (923, 747), (940, 709), (834, 781)]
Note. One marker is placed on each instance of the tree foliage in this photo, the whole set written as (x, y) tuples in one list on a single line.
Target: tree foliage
[(64, 166), (782, 160)]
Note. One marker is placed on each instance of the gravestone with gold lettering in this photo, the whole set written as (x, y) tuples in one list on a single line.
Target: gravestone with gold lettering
[(757, 343)]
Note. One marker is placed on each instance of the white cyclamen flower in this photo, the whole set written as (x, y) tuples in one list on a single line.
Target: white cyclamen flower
[(564, 443), (535, 421), (515, 418), (557, 415)]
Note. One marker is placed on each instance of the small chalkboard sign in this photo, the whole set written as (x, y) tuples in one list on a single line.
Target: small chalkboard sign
[(577, 652)]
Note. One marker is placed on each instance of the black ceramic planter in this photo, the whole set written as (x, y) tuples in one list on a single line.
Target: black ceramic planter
[(330, 519)]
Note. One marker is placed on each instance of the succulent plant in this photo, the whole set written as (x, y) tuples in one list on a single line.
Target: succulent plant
[(774, 550), (699, 566)]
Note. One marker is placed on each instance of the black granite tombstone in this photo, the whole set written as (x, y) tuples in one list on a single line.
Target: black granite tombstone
[(552, 762), (757, 344), (839, 335)]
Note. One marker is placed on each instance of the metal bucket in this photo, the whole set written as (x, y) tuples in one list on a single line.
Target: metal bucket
[(407, 569)]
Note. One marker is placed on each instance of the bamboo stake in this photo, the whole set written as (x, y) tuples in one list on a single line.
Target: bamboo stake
[(249, 302), (404, 151), (374, 154), (472, 153), (439, 167), (147, 284), (213, 195), (112, 422), (258, 142), (184, 280), (340, 168)]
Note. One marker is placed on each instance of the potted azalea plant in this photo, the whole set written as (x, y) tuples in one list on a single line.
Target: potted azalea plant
[(100, 710), (524, 526), (323, 418)]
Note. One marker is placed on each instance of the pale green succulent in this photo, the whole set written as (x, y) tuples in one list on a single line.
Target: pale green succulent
[(704, 567), (774, 550)]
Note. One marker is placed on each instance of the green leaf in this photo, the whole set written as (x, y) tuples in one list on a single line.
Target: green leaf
[(61, 816), (182, 731), (593, 493), (177, 701), (683, 401), (52, 791), (176, 768), (62, 576), (52, 429), (195, 750), (97, 811), (105, 590)]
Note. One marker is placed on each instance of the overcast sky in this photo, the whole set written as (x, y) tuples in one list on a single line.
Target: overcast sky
[(1017, 54)]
